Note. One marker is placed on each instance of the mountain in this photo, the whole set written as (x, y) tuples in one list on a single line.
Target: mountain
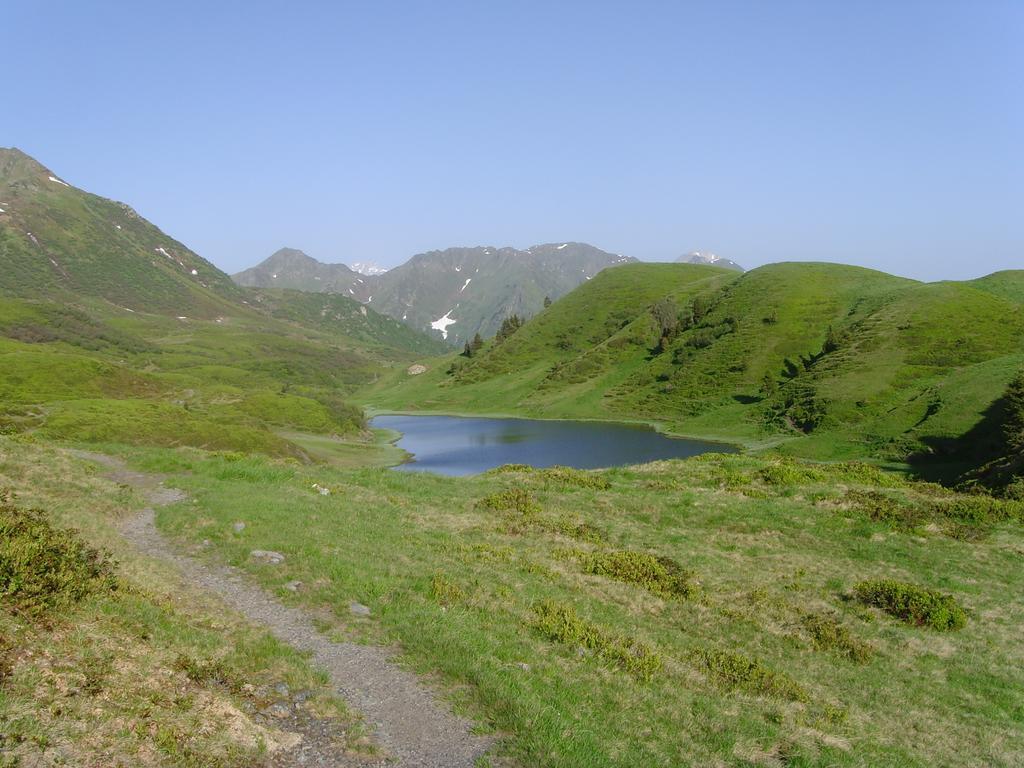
[(706, 257), (454, 293), (820, 359), (111, 330), (57, 240), (291, 268)]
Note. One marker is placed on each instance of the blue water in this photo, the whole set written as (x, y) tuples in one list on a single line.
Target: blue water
[(456, 445)]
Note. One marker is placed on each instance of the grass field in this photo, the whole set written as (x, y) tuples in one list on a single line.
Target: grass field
[(148, 673), (703, 612)]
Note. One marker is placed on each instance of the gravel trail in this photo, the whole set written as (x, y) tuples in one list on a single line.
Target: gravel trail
[(414, 727)]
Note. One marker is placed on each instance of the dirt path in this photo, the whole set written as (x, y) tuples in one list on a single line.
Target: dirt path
[(410, 723)]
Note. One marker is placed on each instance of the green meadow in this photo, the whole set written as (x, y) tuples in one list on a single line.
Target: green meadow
[(723, 610)]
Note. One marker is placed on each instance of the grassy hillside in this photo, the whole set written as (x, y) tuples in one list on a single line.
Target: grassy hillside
[(232, 383), (59, 241), (112, 331), (346, 317), (725, 610), (821, 359)]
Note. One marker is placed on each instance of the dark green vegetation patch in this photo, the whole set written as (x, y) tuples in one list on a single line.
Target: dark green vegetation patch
[(561, 624), (564, 476), (736, 671), (913, 604), (44, 568), (827, 633), (658, 574)]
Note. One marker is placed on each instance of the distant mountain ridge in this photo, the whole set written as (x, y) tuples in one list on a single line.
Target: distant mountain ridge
[(291, 268), (454, 293), (712, 259)]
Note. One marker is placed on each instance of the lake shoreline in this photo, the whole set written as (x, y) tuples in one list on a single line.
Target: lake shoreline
[(738, 445), (462, 444)]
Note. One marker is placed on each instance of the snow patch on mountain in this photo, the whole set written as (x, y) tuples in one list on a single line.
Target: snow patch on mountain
[(367, 268), (442, 323)]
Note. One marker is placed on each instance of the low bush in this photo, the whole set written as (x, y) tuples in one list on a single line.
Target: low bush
[(898, 513), (561, 624), (579, 478), (961, 516), (521, 510), (827, 634), (579, 530), (43, 568), (513, 500), (789, 473), (912, 604), (733, 670), (662, 576), (575, 477), (444, 590), (980, 510)]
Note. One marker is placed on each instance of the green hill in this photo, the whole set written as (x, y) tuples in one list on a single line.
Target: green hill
[(58, 241), (346, 317), (821, 359), (112, 331)]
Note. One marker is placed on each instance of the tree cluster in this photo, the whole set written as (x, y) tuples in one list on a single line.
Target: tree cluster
[(472, 347), (509, 326)]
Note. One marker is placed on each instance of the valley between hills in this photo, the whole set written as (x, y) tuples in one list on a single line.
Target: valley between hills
[(844, 591)]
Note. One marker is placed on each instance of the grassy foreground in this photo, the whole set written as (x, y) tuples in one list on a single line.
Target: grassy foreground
[(725, 610), (134, 669)]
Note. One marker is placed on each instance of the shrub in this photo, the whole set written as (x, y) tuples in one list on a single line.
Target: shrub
[(521, 510), (511, 468), (733, 670), (659, 575), (43, 568), (827, 634), (561, 624), (880, 507), (981, 511), (912, 604), (513, 500), (580, 478), (443, 590), (576, 477), (579, 530), (787, 473)]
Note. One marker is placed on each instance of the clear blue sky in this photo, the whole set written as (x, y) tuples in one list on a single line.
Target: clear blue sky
[(887, 134)]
